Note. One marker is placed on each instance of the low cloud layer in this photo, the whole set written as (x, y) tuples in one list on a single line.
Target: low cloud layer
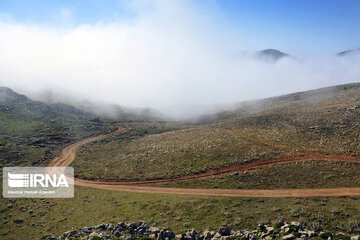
[(169, 57)]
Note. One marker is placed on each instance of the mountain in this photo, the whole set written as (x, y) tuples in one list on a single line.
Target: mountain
[(349, 52), (31, 132), (8, 96), (10, 100), (322, 121), (271, 54), (300, 140), (322, 98), (119, 113)]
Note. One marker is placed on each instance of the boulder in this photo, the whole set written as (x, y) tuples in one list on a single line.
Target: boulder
[(86, 230), (70, 234), (144, 225), (121, 225), (225, 231), (169, 235), (102, 226), (208, 235), (178, 236), (132, 226), (110, 227), (270, 230)]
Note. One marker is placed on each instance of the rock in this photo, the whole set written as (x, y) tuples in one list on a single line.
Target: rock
[(270, 230), (225, 238), (102, 226), (310, 233), (192, 234), (144, 225), (217, 235), (235, 174), (94, 234), (132, 226), (297, 225), (70, 234), (169, 235), (208, 235), (154, 230), (280, 223), (117, 233), (86, 230), (110, 227), (225, 231), (252, 237), (130, 231), (121, 225), (289, 236)]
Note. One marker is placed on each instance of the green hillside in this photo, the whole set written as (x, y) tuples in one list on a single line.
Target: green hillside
[(32, 133), (324, 121)]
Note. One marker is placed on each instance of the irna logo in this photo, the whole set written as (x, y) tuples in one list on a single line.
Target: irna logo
[(36, 180)]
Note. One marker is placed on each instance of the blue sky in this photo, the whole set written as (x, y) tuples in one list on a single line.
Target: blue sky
[(292, 25)]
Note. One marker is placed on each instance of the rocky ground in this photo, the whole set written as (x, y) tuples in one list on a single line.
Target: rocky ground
[(142, 231)]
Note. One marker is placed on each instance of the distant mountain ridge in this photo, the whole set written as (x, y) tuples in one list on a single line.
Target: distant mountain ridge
[(349, 52), (17, 102), (275, 55), (75, 110)]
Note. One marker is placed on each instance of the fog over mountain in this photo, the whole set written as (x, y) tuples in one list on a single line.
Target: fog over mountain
[(271, 54), (174, 59)]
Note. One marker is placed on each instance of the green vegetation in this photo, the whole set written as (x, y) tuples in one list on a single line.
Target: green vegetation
[(324, 121), (32, 133), (38, 217), (314, 174), (130, 156)]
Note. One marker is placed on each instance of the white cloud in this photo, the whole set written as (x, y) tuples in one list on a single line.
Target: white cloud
[(169, 57)]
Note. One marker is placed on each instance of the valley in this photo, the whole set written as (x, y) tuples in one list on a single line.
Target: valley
[(294, 156)]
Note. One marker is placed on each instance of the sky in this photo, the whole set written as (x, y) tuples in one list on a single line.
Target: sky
[(180, 57)]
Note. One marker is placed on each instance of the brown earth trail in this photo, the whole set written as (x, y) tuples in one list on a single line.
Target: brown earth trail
[(68, 155)]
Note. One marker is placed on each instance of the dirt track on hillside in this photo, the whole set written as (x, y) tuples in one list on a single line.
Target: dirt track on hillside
[(68, 155)]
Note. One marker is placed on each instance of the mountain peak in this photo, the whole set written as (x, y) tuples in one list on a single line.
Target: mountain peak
[(272, 54), (348, 52), (7, 95)]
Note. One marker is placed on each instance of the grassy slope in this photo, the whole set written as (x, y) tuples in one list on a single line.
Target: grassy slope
[(314, 174), (284, 125), (32, 133), (93, 206), (173, 153), (325, 121)]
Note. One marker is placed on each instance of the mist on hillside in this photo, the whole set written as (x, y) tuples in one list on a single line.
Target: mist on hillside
[(171, 58)]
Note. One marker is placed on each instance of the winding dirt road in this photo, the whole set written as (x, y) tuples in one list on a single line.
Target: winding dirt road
[(68, 155)]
